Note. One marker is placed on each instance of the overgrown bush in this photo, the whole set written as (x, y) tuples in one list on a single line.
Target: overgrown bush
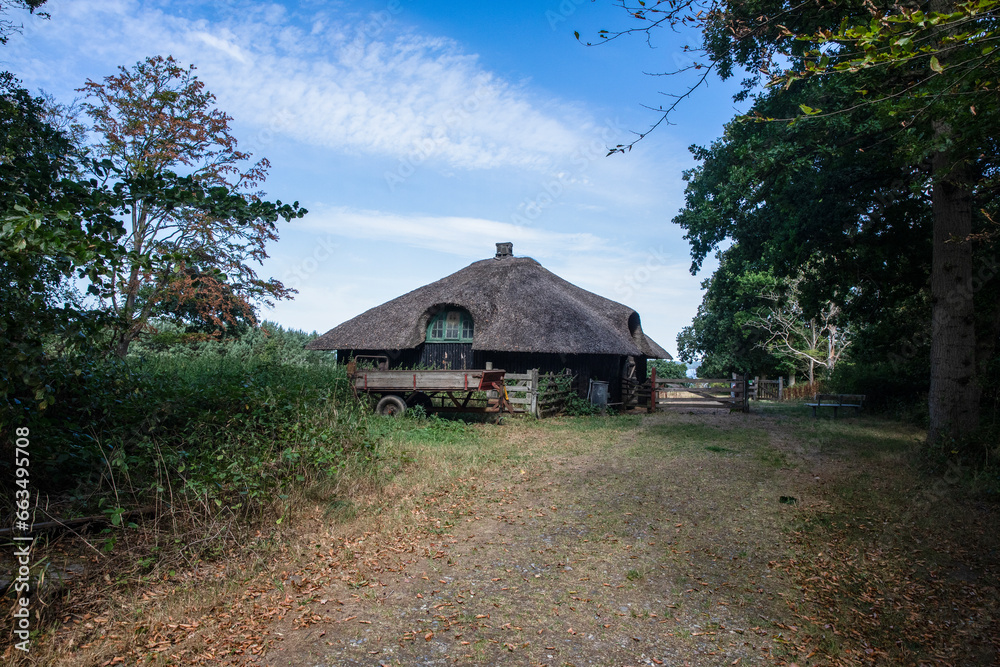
[(212, 427), (579, 407)]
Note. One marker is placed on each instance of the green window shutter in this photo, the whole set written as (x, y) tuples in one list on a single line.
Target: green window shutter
[(450, 326)]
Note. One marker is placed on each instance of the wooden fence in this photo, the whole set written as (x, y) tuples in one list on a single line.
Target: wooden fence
[(553, 390), (521, 391), (768, 390), (802, 390), (660, 393), (777, 390), (539, 394)]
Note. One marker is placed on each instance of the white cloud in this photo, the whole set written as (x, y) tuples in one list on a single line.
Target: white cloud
[(461, 236), (223, 45), (370, 85)]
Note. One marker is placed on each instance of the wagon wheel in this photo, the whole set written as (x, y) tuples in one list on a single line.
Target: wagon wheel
[(391, 406)]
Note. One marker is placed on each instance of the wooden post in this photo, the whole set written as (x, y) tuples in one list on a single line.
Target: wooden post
[(781, 387), (652, 390), (533, 393)]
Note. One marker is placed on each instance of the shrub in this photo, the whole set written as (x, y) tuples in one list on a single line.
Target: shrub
[(223, 427)]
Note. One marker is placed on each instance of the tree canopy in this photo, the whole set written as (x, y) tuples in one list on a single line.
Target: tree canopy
[(56, 225), (192, 239), (866, 160), (156, 218)]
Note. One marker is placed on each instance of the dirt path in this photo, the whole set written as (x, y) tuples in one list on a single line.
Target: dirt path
[(675, 539), (600, 548)]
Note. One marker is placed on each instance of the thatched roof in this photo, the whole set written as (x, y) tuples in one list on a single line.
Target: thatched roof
[(516, 305)]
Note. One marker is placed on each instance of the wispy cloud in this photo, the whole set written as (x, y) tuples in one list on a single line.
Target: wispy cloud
[(465, 237), (368, 84)]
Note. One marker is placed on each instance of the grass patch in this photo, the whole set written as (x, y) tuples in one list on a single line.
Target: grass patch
[(688, 438), (771, 457)]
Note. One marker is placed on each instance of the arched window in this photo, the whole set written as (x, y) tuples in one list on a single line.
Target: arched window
[(451, 325)]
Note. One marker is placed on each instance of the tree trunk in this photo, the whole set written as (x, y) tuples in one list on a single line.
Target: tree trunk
[(121, 346), (954, 390)]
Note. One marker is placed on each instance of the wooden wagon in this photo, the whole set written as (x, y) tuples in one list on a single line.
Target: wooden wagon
[(473, 390)]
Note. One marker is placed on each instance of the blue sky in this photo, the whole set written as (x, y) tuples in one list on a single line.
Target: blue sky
[(420, 133)]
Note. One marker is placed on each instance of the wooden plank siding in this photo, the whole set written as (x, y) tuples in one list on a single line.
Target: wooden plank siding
[(585, 367), (453, 356)]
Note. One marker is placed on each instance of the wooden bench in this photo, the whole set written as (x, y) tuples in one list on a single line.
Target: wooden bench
[(837, 401)]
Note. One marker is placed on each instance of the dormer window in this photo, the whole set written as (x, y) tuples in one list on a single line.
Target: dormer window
[(452, 325)]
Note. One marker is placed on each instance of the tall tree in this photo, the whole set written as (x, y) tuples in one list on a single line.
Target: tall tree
[(817, 338), (721, 338), (931, 77), (156, 120), (55, 226)]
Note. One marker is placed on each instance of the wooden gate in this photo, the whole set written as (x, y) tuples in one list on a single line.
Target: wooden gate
[(539, 394), (696, 393)]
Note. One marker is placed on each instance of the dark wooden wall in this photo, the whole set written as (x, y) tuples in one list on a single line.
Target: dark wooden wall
[(453, 356), (606, 367)]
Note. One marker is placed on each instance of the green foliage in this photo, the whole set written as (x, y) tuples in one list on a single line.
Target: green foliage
[(579, 407), (888, 387), (231, 427), (54, 227), (668, 369), (416, 412), (804, 198), (872, 131), (193, 238), (721, 338)]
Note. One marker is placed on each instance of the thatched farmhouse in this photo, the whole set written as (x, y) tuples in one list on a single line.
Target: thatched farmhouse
[(505, 312)]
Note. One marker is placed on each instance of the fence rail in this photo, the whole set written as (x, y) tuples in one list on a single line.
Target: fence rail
[(539, 394), (779, 390), (768, 390), (663, 393), (802, 390)]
